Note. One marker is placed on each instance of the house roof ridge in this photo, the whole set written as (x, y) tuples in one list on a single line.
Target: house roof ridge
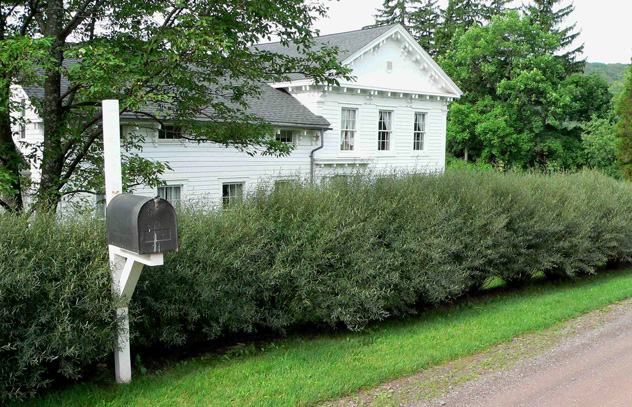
[(365, 29)]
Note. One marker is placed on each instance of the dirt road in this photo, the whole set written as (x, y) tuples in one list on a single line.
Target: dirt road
[(590, 369), (586, 362)]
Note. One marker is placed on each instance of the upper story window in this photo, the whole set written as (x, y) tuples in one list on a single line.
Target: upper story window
[(169, 132), (385, 128), (419, 132), (232, 193), (171, 193), (285, 136), (348, 128)]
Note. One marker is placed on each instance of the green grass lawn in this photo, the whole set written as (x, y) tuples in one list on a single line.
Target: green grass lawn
[(301, 371)]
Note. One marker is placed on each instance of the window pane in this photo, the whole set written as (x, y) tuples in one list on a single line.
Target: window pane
[(170, 193), (169, 132), (232, 192), (347, 128), (384, 130), (419, 131), (285, 136)]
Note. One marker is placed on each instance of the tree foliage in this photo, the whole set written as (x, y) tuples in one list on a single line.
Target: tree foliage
[(550, 17), (176, 61), (624, 126), (521, 107)]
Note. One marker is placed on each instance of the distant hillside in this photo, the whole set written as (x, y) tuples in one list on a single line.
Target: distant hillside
[(612, 73)]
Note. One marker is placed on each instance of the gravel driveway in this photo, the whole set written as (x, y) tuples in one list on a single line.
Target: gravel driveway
[(586, 362)]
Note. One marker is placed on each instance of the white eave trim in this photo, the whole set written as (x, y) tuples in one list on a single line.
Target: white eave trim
[(308, 85)]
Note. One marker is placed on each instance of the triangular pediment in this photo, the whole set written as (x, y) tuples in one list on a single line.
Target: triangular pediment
[(396, 62)]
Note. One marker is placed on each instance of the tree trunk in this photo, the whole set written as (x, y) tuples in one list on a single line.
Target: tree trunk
[(48, 194), (466, 154), (10, 157)]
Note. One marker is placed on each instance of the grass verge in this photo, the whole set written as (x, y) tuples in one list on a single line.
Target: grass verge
[(304, 371)]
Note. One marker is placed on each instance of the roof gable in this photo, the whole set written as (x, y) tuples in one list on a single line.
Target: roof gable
[(411, 51), (355, 45)]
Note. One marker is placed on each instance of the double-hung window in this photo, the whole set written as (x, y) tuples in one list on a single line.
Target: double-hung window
[(171, 193), (232, 193), (348, 129), (419, 132), (385, 128)]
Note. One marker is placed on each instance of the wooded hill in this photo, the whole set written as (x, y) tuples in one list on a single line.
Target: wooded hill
[(610, 72)]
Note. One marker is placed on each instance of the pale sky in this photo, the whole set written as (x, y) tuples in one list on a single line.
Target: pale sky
[(605, 25)]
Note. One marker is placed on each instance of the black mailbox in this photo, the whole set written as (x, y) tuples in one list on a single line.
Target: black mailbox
[(142, 225)]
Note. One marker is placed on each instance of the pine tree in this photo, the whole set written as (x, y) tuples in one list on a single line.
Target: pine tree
[(393, 12), (496, 8), (547, 15), (424, 21), (459, 16), (624, 127)]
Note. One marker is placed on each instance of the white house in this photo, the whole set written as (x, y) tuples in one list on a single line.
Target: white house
[(391, 117)]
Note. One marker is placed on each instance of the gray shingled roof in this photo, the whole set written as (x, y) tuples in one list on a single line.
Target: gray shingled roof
[(348, 43), (274, 106)]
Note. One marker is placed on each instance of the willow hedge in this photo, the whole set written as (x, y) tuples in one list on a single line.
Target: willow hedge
[(354, 251)]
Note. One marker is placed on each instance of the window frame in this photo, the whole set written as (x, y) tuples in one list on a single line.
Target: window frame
[(279, 136), (231, 200), (388, 140), (422, 132), (174, 202), (348, 135), (175, 131)]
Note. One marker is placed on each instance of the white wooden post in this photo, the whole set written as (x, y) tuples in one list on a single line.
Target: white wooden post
[(113, 187), (126, 266)]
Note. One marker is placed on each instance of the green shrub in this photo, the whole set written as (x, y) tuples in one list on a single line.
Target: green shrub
[(55, 301), (351, 252)]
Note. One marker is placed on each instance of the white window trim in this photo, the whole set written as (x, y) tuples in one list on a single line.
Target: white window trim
[(423, 151), (294, 136), (166, 140), (242, 181), (391, 143), (356, 133), (175, 183)]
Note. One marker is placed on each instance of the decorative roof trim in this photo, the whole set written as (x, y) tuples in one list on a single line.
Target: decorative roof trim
[(308, 85), (401, 33)]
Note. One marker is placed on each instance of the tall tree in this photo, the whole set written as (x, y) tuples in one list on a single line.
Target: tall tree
[(185, 60), (519, 108), (496, 8), (424, 21), (624, 126), (458, 17), (394, 12), (551, 16), (420, 17), (17, 51)]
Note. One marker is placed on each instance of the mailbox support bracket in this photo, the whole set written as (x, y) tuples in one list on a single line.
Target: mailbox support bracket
[(126, 268)]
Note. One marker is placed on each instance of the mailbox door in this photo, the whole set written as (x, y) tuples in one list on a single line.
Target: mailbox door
[(157, 227)]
